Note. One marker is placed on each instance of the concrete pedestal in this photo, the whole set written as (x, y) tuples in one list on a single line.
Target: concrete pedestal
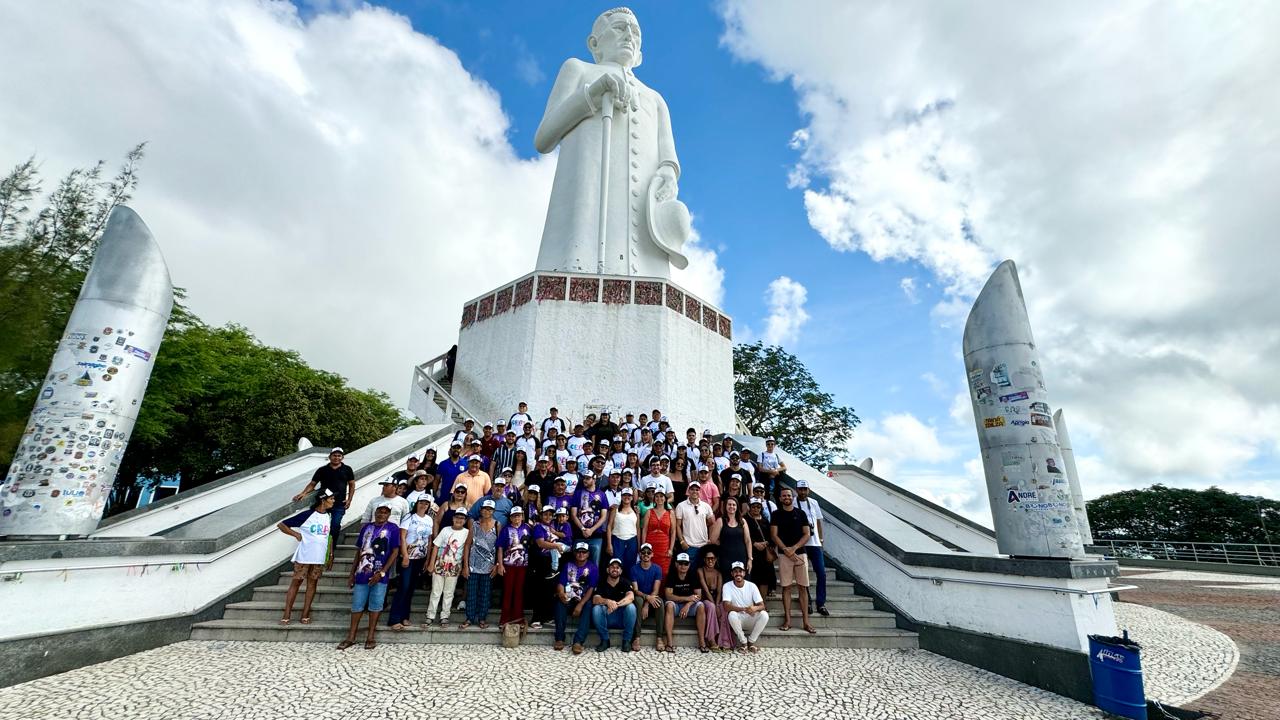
[(583, 343)]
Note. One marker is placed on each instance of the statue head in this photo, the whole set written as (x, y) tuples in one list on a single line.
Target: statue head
[(615, 37)]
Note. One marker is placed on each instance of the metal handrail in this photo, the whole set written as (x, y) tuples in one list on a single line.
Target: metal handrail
[(427, 376), (1224, 553)]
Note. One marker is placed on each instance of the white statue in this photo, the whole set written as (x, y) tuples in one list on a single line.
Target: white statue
[(639, 227)]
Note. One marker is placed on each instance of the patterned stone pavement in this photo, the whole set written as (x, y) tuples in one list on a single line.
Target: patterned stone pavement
[(262, 681), (1245, 608), (1181, 660)]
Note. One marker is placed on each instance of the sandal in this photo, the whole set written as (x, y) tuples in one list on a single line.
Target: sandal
[(785, 627), (484, 625), (703, 649), (345, 644), (306, 620), (465, 624), (398, 627), (284, 621), (752, 647), (369, 644), (671, 649), (810, 629), (662, 645)]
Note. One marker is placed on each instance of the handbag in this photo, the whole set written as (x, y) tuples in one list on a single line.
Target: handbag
[(513, 634)]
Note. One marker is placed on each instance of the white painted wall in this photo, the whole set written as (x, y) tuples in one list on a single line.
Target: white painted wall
[(93, 592), (294, 472), (571, 355), (916, 513)]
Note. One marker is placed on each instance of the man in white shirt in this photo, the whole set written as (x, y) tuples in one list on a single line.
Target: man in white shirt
[(741, 599), (628, 425), (468, 427), (769, 466), (655, 479), (691, 442), (636, 433), (553, 420), (570, 475), (520, 417), (654, 420), (576, 441), (528, 442), (813, 548), (693, 523), (388, 499), (644, 447)]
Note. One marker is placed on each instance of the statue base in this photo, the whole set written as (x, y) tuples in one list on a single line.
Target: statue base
[(585, 343)]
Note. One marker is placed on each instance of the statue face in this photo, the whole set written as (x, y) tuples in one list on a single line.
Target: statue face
[(618, 41)]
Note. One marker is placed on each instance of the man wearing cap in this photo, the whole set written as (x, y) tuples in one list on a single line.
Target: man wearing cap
[(735, 466), (576, 441), (770, 466), (489, 442), (628, 425), (813, 548), (637, 433), (553, 420), (377, 550), (338, 478), (390, 498), (693, 522), (589, 512), (410, 467), (646, 583), (789, 528), (449, 469), (502, 504), (577, 583), (528, 442), (477, 481), (683, 598), (560, 497), (741, 599), (477, 451), (504, 456), (614, 607), (618, 453), (542, 475), (468, 427), (520, 418)]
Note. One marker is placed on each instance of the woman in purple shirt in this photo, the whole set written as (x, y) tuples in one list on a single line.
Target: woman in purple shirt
[(513, 561)]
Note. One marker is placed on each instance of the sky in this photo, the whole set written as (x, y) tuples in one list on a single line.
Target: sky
[(339, 177)]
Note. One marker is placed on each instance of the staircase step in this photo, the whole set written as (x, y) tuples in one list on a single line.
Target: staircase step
[(327, 593), (338, 612), (342, 563), (835, 588), (329, 632)]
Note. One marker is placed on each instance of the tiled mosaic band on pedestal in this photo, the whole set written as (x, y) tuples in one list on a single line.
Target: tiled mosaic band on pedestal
[(562, 287)]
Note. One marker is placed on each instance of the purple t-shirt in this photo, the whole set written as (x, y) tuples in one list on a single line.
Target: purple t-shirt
[(592, 506), (578, 580), (514, 544), (376, 544), (560, 501), (543, 532)]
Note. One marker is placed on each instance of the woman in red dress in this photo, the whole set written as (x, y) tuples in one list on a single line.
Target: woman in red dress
[(655, 529)]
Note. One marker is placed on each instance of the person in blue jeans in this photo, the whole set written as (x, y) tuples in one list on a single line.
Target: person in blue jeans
[(813, 548), (578, 578), (589, 511), (613, 607), (377, 550)]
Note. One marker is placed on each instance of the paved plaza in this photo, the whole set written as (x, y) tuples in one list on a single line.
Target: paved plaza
[(259, 681)]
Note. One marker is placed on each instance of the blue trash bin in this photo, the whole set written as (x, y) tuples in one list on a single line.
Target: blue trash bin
[(1116, 666)]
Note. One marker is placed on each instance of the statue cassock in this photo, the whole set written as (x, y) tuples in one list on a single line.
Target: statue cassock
[(645, 225)]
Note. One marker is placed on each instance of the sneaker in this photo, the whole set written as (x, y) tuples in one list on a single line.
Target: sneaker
[(823, 611), (602, 646), (577, 648), (535, 626), (626, 647)]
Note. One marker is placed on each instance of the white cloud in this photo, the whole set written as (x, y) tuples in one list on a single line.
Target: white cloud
[(703, 277), (337, 182), (908, 285), (1125, 155), (785, 298)]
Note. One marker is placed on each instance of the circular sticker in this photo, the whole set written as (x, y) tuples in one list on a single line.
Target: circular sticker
[(107, 331)]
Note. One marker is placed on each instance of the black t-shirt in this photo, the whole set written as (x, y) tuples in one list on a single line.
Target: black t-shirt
[(602, 432), (400, 475), (533, 477), (681, 588), (727, 473), (334, 479), (613, 592), (791, 524)]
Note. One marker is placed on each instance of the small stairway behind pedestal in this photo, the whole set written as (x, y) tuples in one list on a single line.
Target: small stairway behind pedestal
[(853, 622)]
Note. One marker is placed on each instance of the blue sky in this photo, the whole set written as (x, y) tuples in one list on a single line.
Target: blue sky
[(340, 177)]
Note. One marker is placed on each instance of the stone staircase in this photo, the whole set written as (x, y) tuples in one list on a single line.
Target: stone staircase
[(853, 622)]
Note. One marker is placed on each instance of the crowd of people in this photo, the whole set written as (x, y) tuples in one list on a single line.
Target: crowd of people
[(584, 525)]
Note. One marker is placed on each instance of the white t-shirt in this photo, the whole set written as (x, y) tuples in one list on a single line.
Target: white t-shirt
[(769, 461), (518, 420), (529, 444), (656, 482), (744, 596), (722, 462), (693, 523), (313, 549), (813, 511), (399, 508), (575, 444), (417, 534)]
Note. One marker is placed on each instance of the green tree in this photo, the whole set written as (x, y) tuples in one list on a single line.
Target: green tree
[(1169, 514), (220, 401), (44, 256), (776, 395)]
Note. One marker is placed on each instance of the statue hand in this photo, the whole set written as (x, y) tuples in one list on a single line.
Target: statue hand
[(666, 187), (612, 84)]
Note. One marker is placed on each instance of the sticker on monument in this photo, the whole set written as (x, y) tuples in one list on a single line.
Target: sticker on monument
[(1041, 420), (1000, 375), (1051, 465), (1040, 407), (993, 422), (1013, 397)]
